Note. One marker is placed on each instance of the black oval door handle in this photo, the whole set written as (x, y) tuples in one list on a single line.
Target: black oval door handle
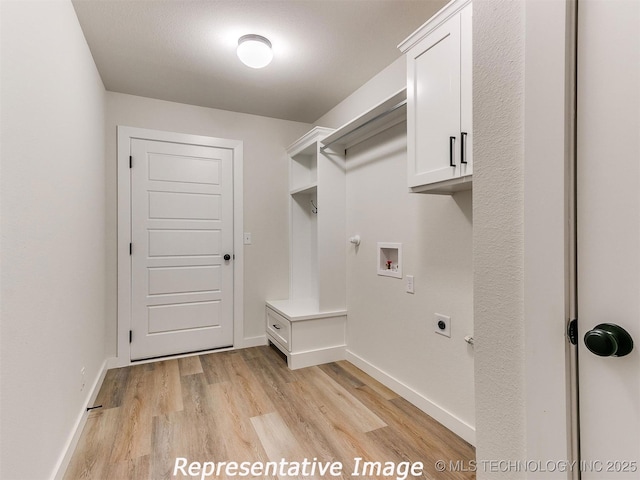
[(227, 257), (609, 340)]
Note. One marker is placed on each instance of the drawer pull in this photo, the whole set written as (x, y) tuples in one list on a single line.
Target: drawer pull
[(276, 326)]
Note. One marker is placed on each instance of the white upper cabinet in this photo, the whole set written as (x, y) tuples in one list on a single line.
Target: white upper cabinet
[(439, 106)]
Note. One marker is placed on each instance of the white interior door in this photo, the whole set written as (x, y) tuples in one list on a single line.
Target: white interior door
[(181, 230), (608, 233)]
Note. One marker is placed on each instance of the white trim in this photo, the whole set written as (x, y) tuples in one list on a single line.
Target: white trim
[(453, 423), (315, 357), (125, 134), (76, 432), (440, 17), (238, 246), (314, 135), (112, 362), (548, 150), (258, 341)]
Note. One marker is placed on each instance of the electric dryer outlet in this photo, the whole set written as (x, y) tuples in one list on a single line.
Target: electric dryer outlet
[(443, 325)]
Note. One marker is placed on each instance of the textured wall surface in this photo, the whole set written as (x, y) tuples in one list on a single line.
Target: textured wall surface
[(498, 71), (53, 267)]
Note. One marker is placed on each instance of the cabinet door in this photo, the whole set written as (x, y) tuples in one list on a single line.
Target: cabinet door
[(433, 107), (466, 90)]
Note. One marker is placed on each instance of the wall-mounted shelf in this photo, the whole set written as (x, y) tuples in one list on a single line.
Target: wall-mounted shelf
[(305, 190), (303, 164), (384, 115)]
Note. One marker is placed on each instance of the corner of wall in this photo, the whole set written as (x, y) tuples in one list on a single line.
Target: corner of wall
[(498, 237), (81, 420)]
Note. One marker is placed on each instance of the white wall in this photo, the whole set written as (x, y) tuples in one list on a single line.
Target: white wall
[(523, 90), (266, 261), (498, 231), (389, 81), (519, 279), (52, 233), (391, 332), (53, 229)]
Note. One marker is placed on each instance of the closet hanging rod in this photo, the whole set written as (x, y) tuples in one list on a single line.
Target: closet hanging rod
[(368, 122)]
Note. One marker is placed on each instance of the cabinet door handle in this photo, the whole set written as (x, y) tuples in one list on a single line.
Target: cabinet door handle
[(452, 145), (276, 326), (463, 148)]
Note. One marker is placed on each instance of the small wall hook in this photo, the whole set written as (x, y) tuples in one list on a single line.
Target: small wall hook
[(355, 240)]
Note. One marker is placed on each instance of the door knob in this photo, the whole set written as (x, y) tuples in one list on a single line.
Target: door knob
[(608, 340), (227, 257)]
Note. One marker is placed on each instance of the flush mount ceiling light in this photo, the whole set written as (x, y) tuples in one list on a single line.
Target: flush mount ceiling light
[(254, 51)]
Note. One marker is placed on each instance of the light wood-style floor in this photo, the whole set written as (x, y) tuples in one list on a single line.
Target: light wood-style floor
[(246, 405)]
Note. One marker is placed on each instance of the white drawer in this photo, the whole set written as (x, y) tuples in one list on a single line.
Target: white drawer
[(279, 329)]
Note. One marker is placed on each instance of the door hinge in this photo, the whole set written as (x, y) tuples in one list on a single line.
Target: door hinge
[(130, 248), (130, 161), (572, 331), (130, 335)]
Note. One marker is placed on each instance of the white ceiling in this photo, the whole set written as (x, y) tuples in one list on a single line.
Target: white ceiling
[(184, 51)]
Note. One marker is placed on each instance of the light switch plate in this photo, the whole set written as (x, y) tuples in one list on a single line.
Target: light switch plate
[(410, 288)]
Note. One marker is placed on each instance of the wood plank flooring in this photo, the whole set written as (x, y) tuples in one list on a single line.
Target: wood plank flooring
[(247, 406)]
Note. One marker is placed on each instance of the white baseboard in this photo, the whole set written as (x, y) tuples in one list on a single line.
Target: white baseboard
[(74, 437), (258, 341), (441, 415), (113, 362), (315, 357)]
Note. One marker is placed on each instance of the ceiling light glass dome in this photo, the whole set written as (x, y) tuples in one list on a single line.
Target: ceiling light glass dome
[(254, 51)]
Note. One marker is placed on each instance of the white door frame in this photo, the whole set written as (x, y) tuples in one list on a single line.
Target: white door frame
[(549, 97), (125, 134)]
